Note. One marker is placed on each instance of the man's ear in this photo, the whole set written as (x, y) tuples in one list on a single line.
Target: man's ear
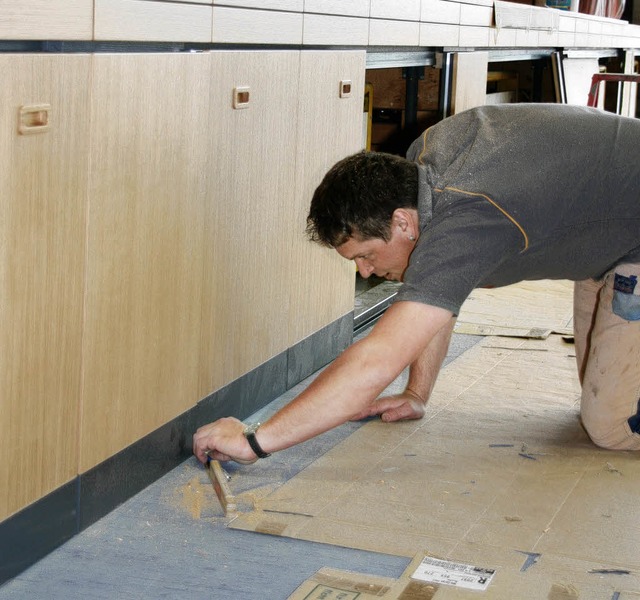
[(406, 222), (401, 218)]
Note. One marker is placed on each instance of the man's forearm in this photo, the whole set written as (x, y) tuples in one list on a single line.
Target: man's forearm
[(354, 380), (423, 371), (346, 388)]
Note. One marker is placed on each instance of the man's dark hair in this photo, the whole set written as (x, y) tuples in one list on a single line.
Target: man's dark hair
[(358, 197)]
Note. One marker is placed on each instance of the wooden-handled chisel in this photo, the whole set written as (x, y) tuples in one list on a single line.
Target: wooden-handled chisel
[(221, 486)]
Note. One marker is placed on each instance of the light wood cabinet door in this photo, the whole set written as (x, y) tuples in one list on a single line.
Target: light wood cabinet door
[(469, 87), (251, 216), (330, 127), (44, 116), (150, 187)]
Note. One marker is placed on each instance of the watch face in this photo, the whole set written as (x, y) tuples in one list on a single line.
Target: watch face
[(250, 434), (249, 429)]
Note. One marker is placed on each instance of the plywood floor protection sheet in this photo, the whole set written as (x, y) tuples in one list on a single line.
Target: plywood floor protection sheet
[(527, 309), (499, 474)]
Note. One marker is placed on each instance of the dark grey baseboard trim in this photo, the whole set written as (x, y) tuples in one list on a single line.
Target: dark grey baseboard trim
[(40, 528)]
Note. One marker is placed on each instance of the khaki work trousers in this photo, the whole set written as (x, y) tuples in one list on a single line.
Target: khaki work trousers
[(607, 339)]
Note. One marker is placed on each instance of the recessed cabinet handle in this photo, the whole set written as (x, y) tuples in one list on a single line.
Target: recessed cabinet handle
[(345, 88), (34, 118), (240, 97)]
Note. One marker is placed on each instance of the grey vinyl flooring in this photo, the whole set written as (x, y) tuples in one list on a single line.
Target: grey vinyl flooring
[(152, 547)]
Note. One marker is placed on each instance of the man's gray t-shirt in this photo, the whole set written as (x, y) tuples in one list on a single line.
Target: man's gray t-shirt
[(522, 191)]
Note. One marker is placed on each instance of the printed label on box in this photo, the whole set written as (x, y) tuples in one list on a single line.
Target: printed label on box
[(446, 572)]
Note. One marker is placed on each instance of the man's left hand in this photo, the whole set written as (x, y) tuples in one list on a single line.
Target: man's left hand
[(399, 407)]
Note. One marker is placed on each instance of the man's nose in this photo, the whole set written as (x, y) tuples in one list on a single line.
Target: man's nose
[(364, 268)]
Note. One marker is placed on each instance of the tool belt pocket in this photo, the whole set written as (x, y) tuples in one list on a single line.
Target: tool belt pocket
[(626, 303)]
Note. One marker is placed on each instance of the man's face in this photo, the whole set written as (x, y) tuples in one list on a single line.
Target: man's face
[(375, 256)]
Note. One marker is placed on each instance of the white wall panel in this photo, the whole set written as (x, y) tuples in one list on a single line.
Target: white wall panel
[(385, 32), (46, 19), (353, 8), (286, 5), (473, 36), (471, 14), (328, 29), (440, 11), (142, 20), (240, 26), (436, 34), (392, 9)]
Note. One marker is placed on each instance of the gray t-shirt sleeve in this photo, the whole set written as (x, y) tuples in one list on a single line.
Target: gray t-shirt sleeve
[(459, 251)]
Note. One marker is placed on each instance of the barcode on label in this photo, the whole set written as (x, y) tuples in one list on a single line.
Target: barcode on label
[(434, 570)]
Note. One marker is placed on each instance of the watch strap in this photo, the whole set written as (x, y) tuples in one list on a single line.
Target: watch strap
[(250, 434)]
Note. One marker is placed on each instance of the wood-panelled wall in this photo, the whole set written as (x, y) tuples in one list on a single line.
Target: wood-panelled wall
[(151, 239)]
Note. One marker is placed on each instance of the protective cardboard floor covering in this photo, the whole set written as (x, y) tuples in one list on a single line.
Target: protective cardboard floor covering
[(526, 309), (499, 474)]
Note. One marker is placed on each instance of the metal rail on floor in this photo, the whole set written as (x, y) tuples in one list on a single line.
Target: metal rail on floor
[(370, 305)]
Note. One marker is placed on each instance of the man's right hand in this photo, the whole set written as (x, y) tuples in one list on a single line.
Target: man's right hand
[(223, 440)]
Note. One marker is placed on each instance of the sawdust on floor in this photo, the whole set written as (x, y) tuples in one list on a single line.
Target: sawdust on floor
[(196, 494), (198, 498)]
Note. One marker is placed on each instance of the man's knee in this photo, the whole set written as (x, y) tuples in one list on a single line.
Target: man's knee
[(611, 434)]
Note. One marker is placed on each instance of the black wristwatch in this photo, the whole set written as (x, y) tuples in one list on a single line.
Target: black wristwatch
[(250, 434)]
